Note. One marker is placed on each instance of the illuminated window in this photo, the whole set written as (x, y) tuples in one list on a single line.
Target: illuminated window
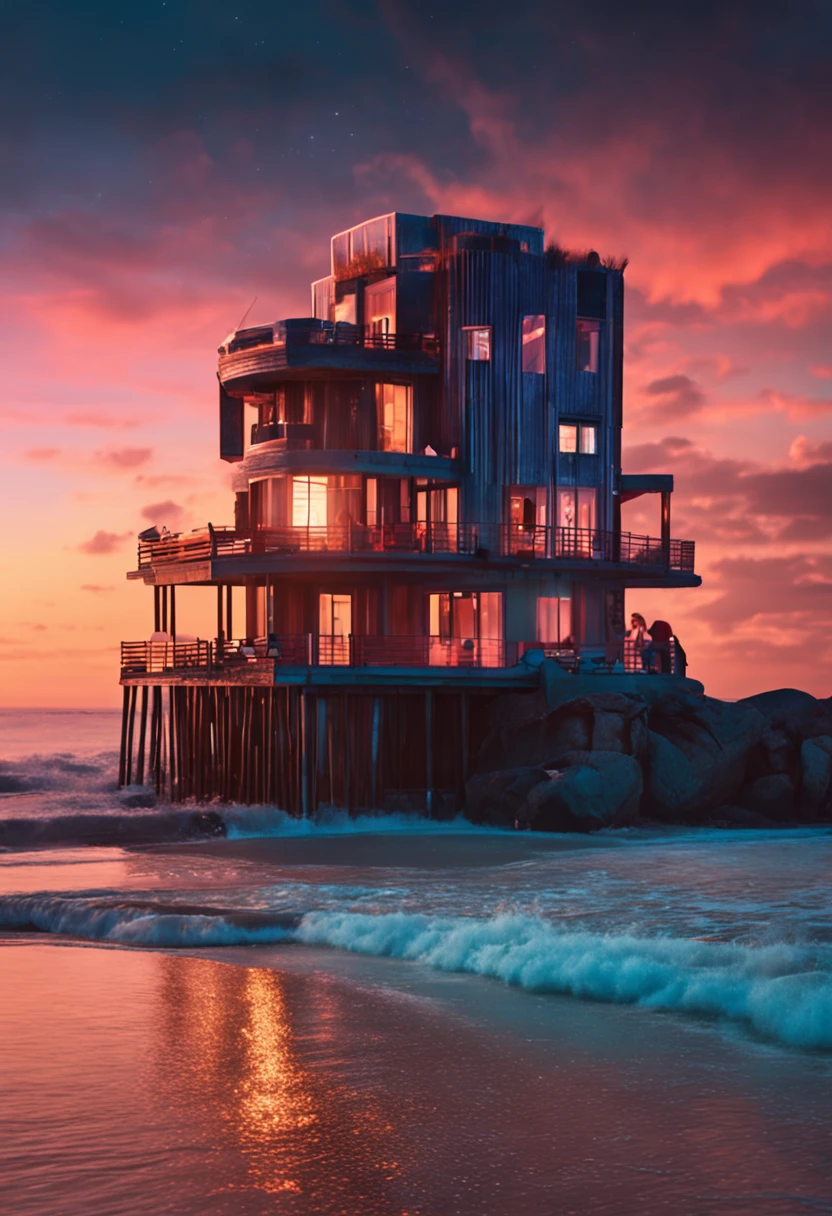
[(372, 502), (534, 344), (587, 337), (588, 441), (334, 628), (567, 437), (554, 619), (395, 416), (309, 500), (479, 344), (380, 308)]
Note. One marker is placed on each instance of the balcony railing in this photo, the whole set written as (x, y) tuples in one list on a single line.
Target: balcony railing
[(326, 333), (474, 540), (298, 436), (313, 650)]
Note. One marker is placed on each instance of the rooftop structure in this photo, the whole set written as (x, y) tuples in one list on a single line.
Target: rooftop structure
[(428, 486)]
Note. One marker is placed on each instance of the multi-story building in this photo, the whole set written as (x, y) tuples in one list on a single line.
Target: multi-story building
[(428, 486)]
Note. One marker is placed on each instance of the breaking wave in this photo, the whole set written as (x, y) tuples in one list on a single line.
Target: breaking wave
[(783, 992), (143, 922)]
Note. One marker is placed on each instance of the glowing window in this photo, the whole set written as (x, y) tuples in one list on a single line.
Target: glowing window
[(309, 502), (395, 416), (567, 437), (587, 338), (588, 441), (479, 344), (534, 344)]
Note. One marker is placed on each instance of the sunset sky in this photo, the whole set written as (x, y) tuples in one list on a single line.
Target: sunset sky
[(163, 163)]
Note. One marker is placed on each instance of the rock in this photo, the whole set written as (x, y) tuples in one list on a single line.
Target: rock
[(740, 817), (500, 797), (772, 796), (570, 801), (591, 790), (815, 775), (673, 788), (531, 734), (797, 714), (716, 739)]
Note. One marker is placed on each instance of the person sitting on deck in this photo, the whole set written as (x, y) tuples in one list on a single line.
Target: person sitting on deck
[(247, 650), (661, 636), (272, 647)]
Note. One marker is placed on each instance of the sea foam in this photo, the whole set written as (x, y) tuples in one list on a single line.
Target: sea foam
[(783, 992)]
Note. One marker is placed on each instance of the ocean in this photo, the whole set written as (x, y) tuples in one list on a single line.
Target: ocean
[(399, 1016)]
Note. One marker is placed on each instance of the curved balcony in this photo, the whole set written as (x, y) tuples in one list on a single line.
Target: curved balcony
[(483, 542), (298, 349), (294, 454)]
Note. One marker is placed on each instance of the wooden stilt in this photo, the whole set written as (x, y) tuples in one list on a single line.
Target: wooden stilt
[(429, 753), (304, 758), (157, 610), (374, 751), (142, 734), (229, 624), (173, 613), (122, 755), (128, 776)]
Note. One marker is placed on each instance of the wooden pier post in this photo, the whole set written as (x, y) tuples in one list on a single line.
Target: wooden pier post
[(128, 778), (142, 734), (429, 752), (122, 755), (374, 751), (304, 758)]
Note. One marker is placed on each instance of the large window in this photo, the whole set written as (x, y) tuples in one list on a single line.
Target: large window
[(309, 498), (466, 627), (321, 501), (576, 507), (554, 620), (395, 416), (534, 344), (587, 338), (578, 437), (478, 344), (380, 308), (366, 248), (334, 628)]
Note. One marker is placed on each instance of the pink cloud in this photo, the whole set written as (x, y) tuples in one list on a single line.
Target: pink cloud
[(123, 458), (104, 542), (167, 513)]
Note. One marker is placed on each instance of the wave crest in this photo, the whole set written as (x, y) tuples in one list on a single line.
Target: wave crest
[(784, 992)]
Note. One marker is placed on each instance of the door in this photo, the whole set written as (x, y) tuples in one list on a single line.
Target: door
[(334, 628)]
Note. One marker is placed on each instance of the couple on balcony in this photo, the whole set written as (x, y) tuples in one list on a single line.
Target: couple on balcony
[(658, 644)]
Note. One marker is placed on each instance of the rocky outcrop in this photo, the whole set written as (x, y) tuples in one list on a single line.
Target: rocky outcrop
[(659, 751)]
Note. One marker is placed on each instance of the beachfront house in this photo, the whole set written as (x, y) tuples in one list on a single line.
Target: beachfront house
[(428, 491)]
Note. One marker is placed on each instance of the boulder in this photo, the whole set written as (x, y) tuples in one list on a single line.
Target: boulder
[(529, 733), (674, 789), (797, 714), (740, 817), (500, 797), (716, 738), (772, 796), (816, 775), (590, 790), (569, 801)]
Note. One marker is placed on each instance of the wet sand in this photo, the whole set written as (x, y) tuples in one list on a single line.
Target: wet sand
[(140, 1082)]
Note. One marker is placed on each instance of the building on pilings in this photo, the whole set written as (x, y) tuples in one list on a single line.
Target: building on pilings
[(428, 490)]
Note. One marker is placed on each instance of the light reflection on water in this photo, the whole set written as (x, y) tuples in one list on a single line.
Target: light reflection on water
[(138, 1082)]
